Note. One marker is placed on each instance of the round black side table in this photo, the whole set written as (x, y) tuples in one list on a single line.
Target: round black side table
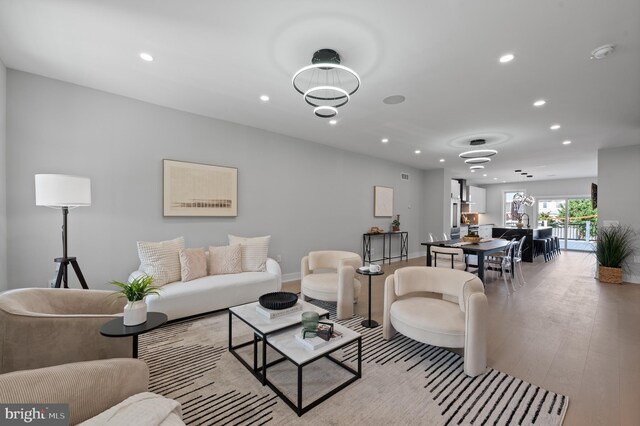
[(369, 323), (116, 328)]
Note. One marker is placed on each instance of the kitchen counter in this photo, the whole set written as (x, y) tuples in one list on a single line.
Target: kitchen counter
[(511, 232)]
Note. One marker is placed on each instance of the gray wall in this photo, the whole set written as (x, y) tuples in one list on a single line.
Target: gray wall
[(560, 188), (3, 177), (437, 207), (307, 196), (619, 194)]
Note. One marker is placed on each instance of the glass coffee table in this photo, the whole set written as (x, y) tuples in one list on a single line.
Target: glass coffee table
[(279, 334)]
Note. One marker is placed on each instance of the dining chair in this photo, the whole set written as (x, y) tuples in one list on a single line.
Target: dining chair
[(502, 262), (517, 260), (446, 236), (431, 238)]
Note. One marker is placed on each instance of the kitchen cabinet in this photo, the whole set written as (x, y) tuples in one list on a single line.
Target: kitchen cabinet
[(477, 199), (484, 231), (455, 189)]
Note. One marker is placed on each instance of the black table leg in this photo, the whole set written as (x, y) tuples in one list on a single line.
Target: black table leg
[(135, 346), (481, 267), (369, 323)]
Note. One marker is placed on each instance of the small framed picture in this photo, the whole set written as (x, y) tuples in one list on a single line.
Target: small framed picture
[(382, 201)]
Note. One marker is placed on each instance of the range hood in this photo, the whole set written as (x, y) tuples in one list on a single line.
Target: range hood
[(464, 191)]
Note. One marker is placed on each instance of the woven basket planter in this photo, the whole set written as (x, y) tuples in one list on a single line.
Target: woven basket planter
[(610, 275)]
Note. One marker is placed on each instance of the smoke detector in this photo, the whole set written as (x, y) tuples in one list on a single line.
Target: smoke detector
[(603, 51)]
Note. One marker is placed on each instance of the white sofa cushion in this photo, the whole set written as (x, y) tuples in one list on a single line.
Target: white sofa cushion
[(161, 260), (193, 263), (254, 252), (142, 409), (225, 260), (212, 293), (444, 326), (324, 286)]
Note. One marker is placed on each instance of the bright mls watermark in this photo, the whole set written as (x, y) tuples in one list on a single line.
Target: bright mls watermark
[(34, 414)]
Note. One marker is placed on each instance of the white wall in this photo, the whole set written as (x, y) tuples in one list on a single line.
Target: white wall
[(307, 196), (619, 193), (3, 177), (437, 207), (560, 188)]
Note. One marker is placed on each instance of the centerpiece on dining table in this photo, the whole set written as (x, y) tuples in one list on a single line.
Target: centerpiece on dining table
[(471, 237)]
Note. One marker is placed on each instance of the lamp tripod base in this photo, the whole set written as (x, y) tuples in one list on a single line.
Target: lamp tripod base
[(63, 272)]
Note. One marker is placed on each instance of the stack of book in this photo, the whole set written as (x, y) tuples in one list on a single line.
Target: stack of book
[(313, 343), (273, 313)]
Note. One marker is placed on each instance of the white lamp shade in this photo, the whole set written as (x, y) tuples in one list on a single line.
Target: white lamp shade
[(63, 191)]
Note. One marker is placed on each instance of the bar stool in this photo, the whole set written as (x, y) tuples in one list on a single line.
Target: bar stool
[(540, 248), (557, 242)]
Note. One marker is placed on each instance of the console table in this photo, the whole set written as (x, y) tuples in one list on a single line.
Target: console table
[(386, 246)]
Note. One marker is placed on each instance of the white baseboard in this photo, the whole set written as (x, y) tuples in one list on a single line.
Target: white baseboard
[(295, 276), (633, 279)]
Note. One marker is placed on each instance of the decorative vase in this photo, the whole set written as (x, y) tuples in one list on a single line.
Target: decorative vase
[(135, 313), (395, 228), (310, 322), (519, 225), (610, 275)]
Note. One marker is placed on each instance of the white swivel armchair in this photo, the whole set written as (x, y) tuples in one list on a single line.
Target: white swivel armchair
[(439, 322), (331, 276)]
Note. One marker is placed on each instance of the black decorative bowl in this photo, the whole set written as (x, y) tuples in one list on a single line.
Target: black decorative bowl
[(278, 300)]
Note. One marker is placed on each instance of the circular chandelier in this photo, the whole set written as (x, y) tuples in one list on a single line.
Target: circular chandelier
[(476, 153), (326, 85), (477, 160)]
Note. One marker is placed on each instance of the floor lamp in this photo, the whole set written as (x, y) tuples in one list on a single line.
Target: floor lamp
[(64, 192)]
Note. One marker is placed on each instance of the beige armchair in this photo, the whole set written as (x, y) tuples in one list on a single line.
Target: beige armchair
[(112, 390), (439, 322), (331, 276), (40, 327)]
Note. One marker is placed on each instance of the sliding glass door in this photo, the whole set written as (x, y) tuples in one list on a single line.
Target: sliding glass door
[(573, 220)]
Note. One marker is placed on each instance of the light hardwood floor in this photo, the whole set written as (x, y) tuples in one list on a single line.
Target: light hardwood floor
[(563, 331)]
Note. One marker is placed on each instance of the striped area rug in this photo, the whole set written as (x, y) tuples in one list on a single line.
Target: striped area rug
[(404, 382)]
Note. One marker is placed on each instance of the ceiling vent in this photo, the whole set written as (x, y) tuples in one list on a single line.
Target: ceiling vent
[(477, 142), (404, 176)]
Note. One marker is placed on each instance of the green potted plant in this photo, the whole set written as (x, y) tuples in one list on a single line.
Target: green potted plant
[(135, 311), (614, 245), (395, 225)]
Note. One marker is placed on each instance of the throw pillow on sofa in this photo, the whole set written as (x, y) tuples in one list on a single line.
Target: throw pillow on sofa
[(193, 264), (254, 252), (225, 260), (161, 260)]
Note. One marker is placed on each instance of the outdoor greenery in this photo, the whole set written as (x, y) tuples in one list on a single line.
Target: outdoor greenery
[(580, 212), (615, 244), (136, 289)]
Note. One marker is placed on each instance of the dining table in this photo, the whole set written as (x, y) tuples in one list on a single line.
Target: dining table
[(480, 249)]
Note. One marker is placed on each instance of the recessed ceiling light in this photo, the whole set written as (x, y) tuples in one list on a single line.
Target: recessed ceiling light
[(472, 168), (539, 103), (442, 160), (264, 98), (484, 175), (495, 178), (506, 58), (473, 171), (504, 181), (554, 127), (417, 151), (146, 57), (566, 142), (385, 140), (333, 122)]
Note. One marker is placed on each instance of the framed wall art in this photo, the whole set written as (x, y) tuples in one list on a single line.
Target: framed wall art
[(382, 201), (192, 189)]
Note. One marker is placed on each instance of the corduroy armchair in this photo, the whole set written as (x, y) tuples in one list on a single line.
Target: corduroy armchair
[(41, 327), (94, 388)]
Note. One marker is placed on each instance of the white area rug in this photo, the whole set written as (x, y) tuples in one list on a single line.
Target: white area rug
[(403, 383)]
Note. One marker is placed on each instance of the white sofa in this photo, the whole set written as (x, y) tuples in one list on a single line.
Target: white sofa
[(213, 292)]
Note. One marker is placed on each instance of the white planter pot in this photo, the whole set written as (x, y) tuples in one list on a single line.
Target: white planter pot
[(135, 313)]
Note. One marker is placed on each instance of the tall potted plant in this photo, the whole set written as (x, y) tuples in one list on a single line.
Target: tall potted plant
[(614, 245), (135, 311)]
